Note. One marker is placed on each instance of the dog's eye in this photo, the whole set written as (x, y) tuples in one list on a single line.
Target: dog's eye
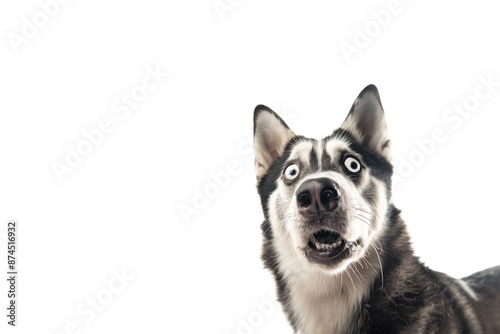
[(291, 172), (352, 165)]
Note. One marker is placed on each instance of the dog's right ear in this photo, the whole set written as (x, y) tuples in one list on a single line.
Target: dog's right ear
[(271, 135)]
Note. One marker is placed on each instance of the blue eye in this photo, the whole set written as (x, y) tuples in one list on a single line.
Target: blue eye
[(352, 165), (291, 172)]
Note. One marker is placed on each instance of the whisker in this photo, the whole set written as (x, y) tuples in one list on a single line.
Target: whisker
[(363, 210), (380, 263), (364, 221), (361, 215), (347, 272), (341, 282), (354, 272)]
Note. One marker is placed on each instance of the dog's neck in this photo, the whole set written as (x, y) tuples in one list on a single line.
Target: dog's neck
[(318, 303), (323, 303)]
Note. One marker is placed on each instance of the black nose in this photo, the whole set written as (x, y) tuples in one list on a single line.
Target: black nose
[(315, 197)]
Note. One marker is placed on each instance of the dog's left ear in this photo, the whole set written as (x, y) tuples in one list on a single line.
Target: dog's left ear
[(366, 122), (271, 135)]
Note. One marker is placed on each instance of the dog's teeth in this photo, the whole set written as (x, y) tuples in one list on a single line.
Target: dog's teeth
[(324, 246)]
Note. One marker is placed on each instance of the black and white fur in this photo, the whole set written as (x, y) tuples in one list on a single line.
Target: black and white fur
[(338, 247)]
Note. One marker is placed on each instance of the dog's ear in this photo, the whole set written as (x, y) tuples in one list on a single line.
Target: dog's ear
[(366, 122), (271, 135)]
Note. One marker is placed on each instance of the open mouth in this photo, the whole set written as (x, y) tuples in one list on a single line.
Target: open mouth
[(328, 245), (325, 244)]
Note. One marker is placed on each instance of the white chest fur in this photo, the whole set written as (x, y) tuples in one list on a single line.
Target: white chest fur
[(325, 304)]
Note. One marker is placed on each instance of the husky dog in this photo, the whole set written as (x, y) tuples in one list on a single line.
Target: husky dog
[(338, 247)]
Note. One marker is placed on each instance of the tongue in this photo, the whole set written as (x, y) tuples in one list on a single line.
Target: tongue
[(326, 237)]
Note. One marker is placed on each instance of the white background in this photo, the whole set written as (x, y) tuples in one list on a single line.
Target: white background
[(119, 209)]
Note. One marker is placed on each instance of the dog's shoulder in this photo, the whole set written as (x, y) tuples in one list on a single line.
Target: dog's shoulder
[(485, 287), (485, 282)]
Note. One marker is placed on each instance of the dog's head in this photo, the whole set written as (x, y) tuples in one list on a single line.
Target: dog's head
[(325, 201)]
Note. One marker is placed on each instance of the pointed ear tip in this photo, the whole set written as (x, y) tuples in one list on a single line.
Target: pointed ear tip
[(368, 93), (260, 108), (371, 88), (257, 112)]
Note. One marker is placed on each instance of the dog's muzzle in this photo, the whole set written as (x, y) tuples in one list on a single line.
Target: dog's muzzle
[(317, 197), (317, 202)]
